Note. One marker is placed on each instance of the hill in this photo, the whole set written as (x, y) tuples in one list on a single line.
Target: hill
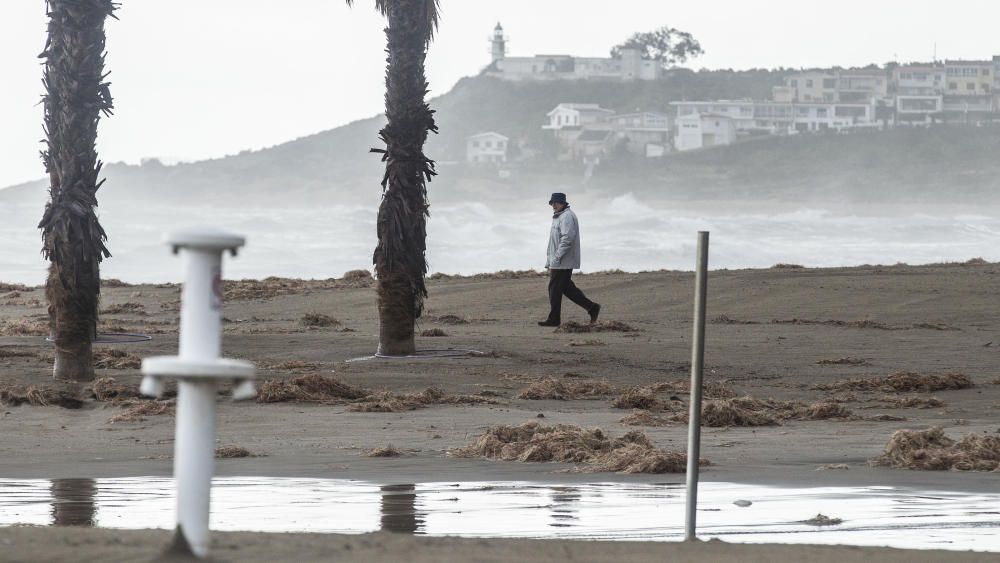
[(334, 166)]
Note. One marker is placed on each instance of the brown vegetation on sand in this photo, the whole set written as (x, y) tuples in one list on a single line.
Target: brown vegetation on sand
[(932, 450), (116, 359), (318, 320), (139, 411), (902, 381), (17, 395), (311, 388), (230, 452), (531, 442), (551, 388), (387, 451), (603, 326), (24, 327), (384, 401), (641, 417), (106, 389)]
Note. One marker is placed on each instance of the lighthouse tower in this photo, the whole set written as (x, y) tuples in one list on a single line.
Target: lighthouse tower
[(499, 43)]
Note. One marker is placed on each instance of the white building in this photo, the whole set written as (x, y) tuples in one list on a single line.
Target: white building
[(576, 115), (778, 118), (645, 133), (741, 112), (702, 130), (631, 65), (486, 148)]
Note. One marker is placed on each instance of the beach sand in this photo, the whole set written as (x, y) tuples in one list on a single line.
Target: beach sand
[(777, 333)]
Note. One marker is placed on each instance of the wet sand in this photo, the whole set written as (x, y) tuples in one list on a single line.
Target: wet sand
[(74, 544), (929, 320)]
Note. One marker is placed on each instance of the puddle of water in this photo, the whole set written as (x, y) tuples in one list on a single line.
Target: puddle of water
[(886, 516)]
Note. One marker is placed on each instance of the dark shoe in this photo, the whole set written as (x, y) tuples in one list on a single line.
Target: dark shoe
[(548, 323), (594, 313)]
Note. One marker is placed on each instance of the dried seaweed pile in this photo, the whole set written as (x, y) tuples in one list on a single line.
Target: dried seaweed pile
[(387, 451), (709, 390), (106, 389), (24, 327), (932, 450), (603, 326), (308, 389), (550, 388), (890, 402), (356, 278), (750, 411), (318, 320), (433, 332), (116, 359), (531, 442), (138, 412), (641, 417), (231, 452), (901, 382), (384, 401), (17, 395), (648, 397)]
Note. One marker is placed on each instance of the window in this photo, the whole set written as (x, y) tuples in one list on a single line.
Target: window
[(829, 83), (809, 83), (986, 88), (501, 145), (475, 144), (794, 83), (953, 85), (804, 112), (489, 144), (971, 86), (821, 112)]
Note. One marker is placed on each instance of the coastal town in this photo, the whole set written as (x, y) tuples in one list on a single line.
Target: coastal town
[(831, 100)]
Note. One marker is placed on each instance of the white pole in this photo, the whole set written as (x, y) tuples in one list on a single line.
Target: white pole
[(198, 367), (201, 317), (194, 458), (697, 365)]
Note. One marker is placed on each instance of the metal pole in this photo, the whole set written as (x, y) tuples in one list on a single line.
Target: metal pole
[(697, 364)]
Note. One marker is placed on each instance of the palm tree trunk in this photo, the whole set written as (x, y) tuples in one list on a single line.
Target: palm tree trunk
[(76, 95), (399, 258)]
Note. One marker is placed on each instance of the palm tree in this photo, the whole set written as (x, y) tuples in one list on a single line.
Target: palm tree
[(76, 95), (399, 258)]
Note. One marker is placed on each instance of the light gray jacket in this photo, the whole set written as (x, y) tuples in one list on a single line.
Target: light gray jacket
[(564, 242)]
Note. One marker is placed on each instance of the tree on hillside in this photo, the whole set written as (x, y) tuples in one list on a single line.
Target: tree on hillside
[(399, 258), (76, 95), (666, 45)]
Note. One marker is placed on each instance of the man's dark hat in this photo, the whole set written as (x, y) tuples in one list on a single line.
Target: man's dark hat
[(557, 198)]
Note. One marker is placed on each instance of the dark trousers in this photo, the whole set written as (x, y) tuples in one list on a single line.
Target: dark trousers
[(561, 283)]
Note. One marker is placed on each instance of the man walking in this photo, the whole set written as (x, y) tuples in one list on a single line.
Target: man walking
[(562, 258)]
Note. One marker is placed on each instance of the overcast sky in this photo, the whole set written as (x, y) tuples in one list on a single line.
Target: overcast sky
[(194, 79)]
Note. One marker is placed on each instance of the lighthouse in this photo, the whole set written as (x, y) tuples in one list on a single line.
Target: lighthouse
[(499, 43)]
